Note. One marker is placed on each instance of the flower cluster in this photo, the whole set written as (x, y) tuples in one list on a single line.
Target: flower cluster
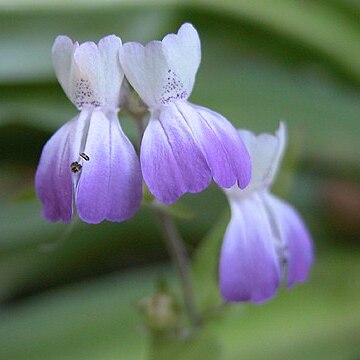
[(90, 161), (91, 164)]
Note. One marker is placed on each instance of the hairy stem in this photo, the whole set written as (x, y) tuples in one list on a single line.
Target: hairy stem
[(176, 248)]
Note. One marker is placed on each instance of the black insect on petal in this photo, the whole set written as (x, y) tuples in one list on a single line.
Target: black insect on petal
[(75, 167), (85, 156)]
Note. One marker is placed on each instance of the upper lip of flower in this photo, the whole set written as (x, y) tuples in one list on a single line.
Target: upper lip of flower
[(266, 152), (89, 73), (163, 71)]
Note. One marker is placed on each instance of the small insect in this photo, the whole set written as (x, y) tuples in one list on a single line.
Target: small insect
[(75, 167), (84, 156)]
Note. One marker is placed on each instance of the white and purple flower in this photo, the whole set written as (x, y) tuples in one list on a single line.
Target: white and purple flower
[(89, 160), (184, 146), (266, 238)]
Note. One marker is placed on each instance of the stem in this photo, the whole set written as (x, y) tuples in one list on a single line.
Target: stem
[(140, 128), (176, 248)]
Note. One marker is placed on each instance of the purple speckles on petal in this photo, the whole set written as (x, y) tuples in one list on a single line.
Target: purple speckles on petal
[(173, 89), (89, 73), (89, 160), (164, 71), (85, 95)]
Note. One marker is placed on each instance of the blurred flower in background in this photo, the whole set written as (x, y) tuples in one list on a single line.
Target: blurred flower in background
[(266, 238), (262, 62)]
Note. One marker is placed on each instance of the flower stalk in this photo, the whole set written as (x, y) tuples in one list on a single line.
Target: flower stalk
[(176, 248), (174, 244)]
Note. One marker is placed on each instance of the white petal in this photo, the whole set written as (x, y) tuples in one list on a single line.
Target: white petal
[(266, 152), (90, 74), (163, 71), (183, 53), (281, 135), (88, 80), (113, 73), (62, 58)]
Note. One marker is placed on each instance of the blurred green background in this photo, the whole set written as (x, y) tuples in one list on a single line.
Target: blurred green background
[(71, 293)]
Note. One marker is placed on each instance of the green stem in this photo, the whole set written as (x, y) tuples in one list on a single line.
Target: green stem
[(176, 248)]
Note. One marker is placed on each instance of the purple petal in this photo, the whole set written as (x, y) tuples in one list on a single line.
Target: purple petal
[(295, 237), (110, 185), (172, 163), (220, 143), (54, 179), (249, 265)]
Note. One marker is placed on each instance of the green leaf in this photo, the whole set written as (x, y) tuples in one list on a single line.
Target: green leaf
[(93, 320), (319, 320), (98, 320), (26, 55), (318, 25), (201, 346), (26, 239)]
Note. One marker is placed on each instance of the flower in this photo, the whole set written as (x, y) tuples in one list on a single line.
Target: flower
[(184, 145), (89, 160), (266, 237)]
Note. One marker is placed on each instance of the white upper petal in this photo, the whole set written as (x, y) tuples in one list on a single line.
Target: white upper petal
[(90, 74), (163, 71), (88, 80), (266, 152), (113, 73), (62, 57)]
